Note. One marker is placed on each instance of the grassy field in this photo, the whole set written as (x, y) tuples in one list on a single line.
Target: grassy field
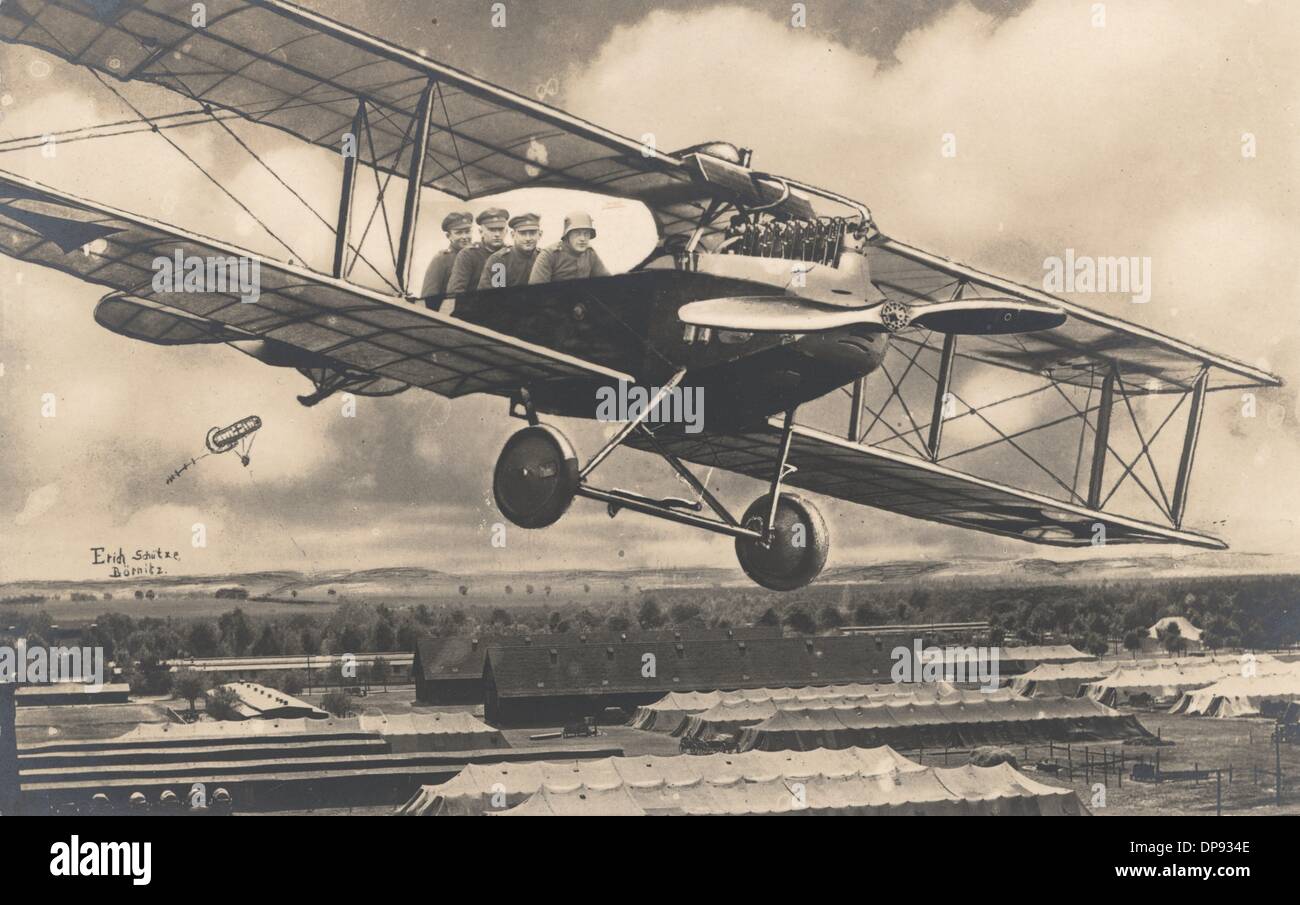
[(83, 612), (1206, 743), (1200, 743)]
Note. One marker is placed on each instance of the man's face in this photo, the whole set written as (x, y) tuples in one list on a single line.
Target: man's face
[(580, 239), (492, 234), (460, 237), (526, 239)]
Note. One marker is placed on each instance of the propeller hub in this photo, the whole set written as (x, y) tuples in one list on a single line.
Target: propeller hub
[(895, 316)]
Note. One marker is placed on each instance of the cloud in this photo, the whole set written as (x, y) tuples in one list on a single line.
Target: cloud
[(1124, 139), (39, 502)]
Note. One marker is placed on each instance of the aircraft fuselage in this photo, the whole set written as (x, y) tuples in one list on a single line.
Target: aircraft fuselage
[(629, 323)]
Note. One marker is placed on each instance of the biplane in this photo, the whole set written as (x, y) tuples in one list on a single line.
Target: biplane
[(771, 295)]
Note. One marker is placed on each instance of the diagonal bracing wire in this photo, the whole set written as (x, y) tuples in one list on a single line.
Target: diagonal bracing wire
[(1012, 443), (1146, 444), (846, 391), (276, 176), (140, 114), (380, 188), (895, 392), (1167, 510)]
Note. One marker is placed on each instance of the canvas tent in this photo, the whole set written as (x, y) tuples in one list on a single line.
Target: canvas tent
[(727, 717), (1026, 657), (1263, 694), (577, 801), (730, 715), (671, 712), (1059, 679), (1165, 682), (942, 723), (852, 781), (931, 791), (1190, 634)]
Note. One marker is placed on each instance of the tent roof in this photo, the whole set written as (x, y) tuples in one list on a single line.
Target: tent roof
[(1185, 628), (1045, 653), (474, 789), (1084, 670), (700, 701), (981, 709), (959, 789), (1240, 695)]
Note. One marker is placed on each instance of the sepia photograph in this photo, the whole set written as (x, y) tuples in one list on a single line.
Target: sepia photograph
[(671, 408)]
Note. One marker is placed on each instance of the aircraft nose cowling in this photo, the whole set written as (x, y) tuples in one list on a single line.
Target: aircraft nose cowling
[(860, 351)]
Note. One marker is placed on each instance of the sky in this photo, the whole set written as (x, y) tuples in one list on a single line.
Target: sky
[(1111, 129)]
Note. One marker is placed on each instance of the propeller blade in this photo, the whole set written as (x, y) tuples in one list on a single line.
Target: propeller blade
[(975, 317), (774, 314), (786, 314)]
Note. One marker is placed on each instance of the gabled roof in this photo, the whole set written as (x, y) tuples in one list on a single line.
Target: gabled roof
[(461, 656), (689, 665)]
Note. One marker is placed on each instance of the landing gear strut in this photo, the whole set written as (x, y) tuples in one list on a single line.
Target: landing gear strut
[(781, 542)]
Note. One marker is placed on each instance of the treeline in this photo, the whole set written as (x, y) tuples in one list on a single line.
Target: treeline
[(1258, 612), (1253, 612)]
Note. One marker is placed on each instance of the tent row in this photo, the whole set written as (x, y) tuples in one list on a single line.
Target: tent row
[(1166, 682), (670, 713), (729, 717), (1262, 694), (1060, 679), (851, 781), (957, 724)]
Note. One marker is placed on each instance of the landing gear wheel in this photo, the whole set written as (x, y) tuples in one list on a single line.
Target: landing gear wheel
[(536, 477), (798, 546)]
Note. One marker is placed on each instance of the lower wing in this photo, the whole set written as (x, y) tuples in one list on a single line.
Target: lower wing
[(328, 319), (909, 486)]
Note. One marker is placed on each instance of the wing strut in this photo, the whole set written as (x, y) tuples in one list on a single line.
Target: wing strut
[(414, 185), (1103, 436), (1189, 446), (855, 415), (343, 230), (941, 388)]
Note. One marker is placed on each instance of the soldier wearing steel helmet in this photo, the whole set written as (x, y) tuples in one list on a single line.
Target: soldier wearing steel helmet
[(458, 227), (572, 258), (469, 263)]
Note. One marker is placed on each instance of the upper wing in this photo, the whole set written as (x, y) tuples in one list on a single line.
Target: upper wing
[(281, 65), (1078, 352), (912, 487), (338, 321)]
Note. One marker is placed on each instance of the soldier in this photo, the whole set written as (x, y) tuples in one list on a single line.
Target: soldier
[(457, 225), (469, 263), (572, 258), (512, 266)]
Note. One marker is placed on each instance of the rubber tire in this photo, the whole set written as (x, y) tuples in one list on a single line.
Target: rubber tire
[(536, 477), (784, 567)]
